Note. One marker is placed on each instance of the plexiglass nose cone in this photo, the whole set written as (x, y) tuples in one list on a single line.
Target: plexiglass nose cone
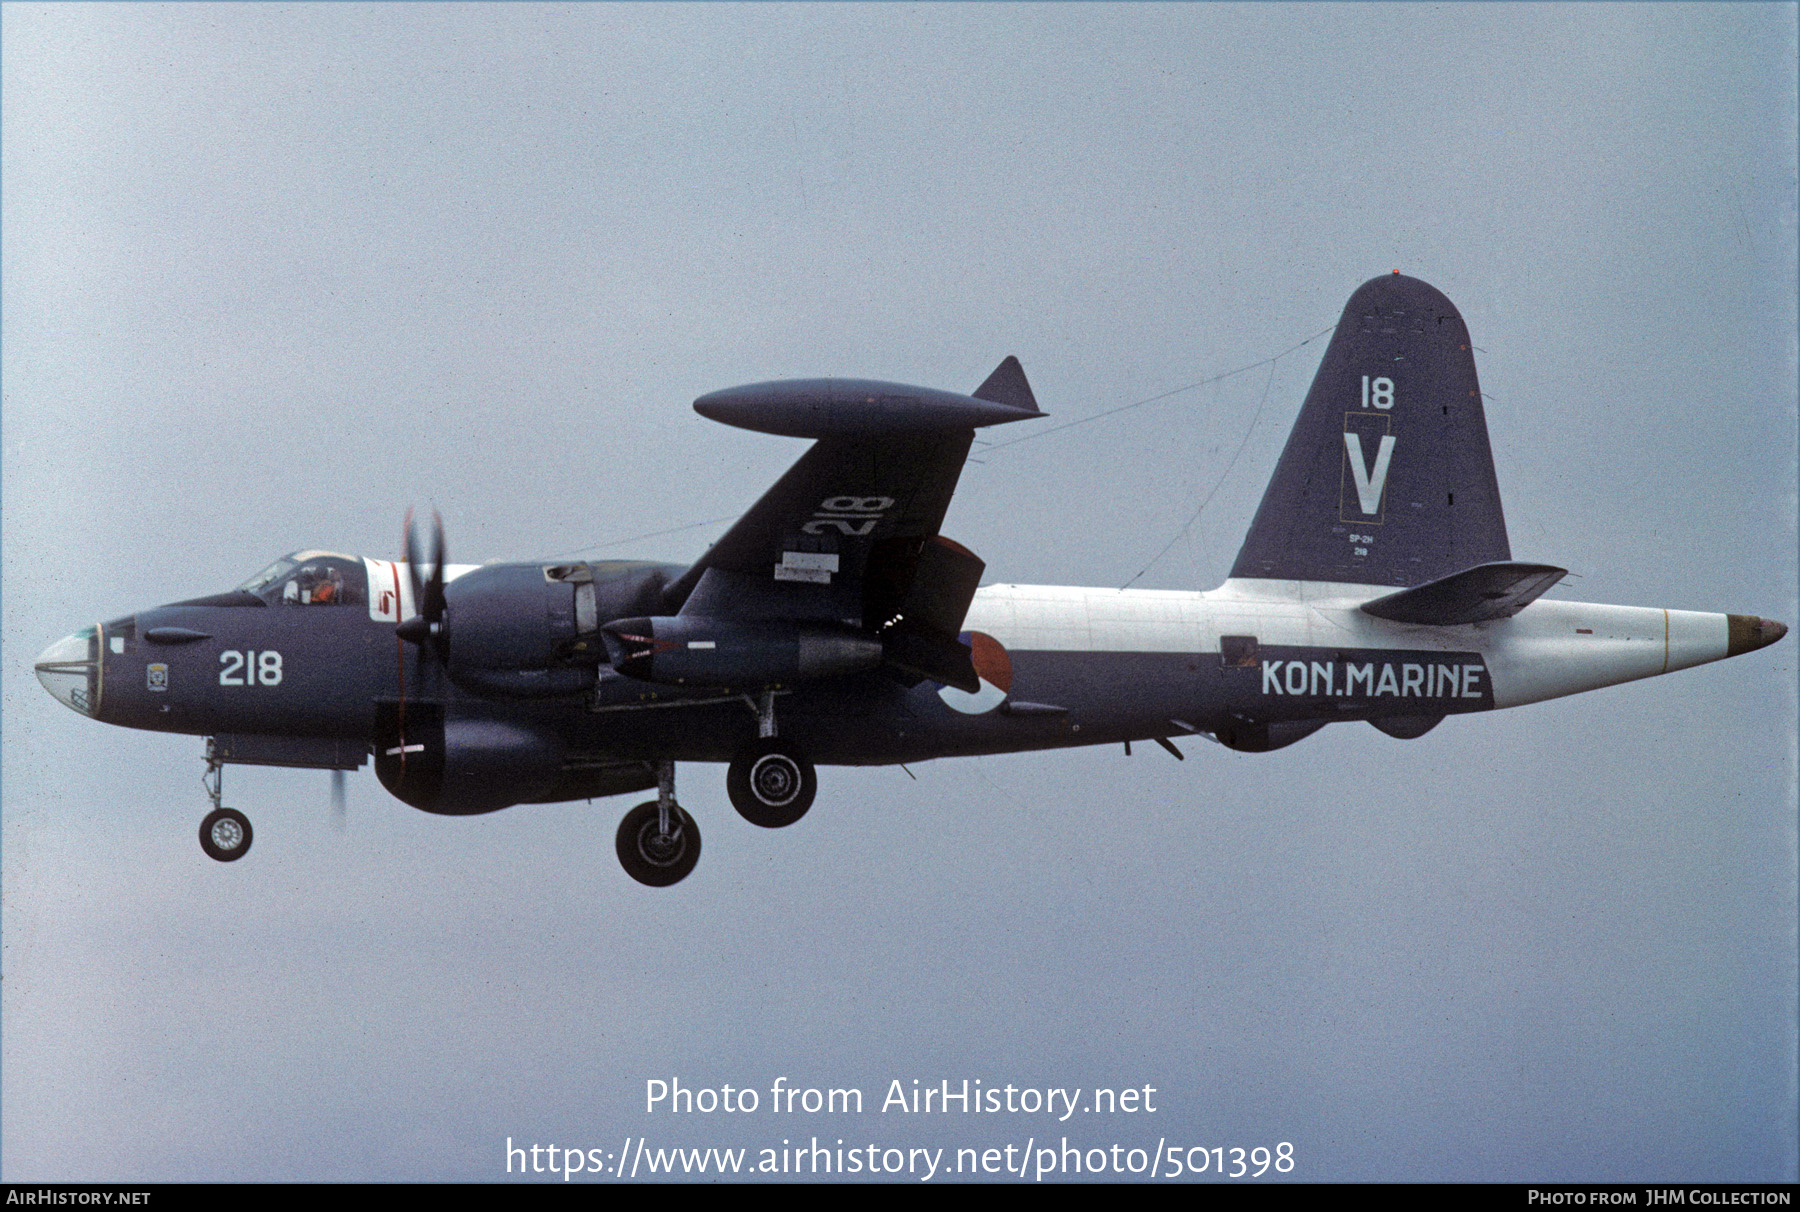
[(69, 670)]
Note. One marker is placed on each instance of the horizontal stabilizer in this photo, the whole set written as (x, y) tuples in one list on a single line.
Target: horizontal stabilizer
[(1007, 385), (1474, 595)]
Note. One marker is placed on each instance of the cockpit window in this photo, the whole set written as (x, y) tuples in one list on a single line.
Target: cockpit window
[(311, 578), (268, 576)]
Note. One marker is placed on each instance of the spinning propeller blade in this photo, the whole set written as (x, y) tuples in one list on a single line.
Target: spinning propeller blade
[(424, 629), (427, 586), (433, 608), (410, 554)]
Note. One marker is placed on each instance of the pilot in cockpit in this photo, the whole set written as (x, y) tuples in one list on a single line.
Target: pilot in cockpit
[(314, 585)]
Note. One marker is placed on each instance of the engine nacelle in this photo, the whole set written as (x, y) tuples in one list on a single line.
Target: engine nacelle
[(531, 631), (461, 766), (684, 650)]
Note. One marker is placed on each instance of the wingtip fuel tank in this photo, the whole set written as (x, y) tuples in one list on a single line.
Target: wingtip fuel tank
[(822, 408)]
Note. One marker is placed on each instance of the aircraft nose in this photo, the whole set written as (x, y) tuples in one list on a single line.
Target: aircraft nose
[(1747, 633), (70, 670)]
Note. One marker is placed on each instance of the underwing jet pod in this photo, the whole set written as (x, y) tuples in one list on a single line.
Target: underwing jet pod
[(834, 625)]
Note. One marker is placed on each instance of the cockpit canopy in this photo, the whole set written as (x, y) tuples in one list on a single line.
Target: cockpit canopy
[(311, 578)]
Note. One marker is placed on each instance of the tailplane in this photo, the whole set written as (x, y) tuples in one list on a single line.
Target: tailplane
[(1387, 477)]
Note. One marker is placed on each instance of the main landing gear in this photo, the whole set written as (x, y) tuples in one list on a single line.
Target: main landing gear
[(225, 833), (658, 842), (771, 784)]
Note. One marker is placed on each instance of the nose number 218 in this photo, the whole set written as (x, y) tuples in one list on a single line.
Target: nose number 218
[(250, 668)]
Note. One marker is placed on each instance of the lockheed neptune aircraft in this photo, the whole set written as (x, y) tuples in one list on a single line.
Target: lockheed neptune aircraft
[(833, 624)]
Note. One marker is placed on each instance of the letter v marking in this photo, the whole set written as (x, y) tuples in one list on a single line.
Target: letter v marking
[(1369, 483)]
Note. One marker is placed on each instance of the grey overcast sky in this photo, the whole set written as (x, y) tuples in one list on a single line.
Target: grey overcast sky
[(272, 273)]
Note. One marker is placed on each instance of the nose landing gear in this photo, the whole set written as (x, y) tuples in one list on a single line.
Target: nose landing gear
[(225, 832)]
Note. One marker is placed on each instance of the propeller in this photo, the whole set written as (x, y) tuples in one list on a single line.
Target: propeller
[(425, 627), (427, 590), (339, 812)]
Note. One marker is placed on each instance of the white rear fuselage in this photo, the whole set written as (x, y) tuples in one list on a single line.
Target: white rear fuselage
[(1548, 649)]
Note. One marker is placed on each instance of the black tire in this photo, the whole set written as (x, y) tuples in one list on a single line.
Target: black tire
[(651, 859), (225, 835), (771, 784)]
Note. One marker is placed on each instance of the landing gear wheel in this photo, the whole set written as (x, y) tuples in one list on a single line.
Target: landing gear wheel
[(651, 858), (225, 835), (771, 784)]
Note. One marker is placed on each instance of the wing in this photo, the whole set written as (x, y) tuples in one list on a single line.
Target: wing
[(805, 549), (850, 533)]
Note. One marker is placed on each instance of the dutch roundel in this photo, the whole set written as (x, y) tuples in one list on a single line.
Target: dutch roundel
[(992, 666)]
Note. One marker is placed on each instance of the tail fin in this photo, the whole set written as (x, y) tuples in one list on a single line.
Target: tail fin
[(1387, 478)]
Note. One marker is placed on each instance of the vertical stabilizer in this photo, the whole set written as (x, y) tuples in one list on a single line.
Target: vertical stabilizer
[(1387, 477)]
